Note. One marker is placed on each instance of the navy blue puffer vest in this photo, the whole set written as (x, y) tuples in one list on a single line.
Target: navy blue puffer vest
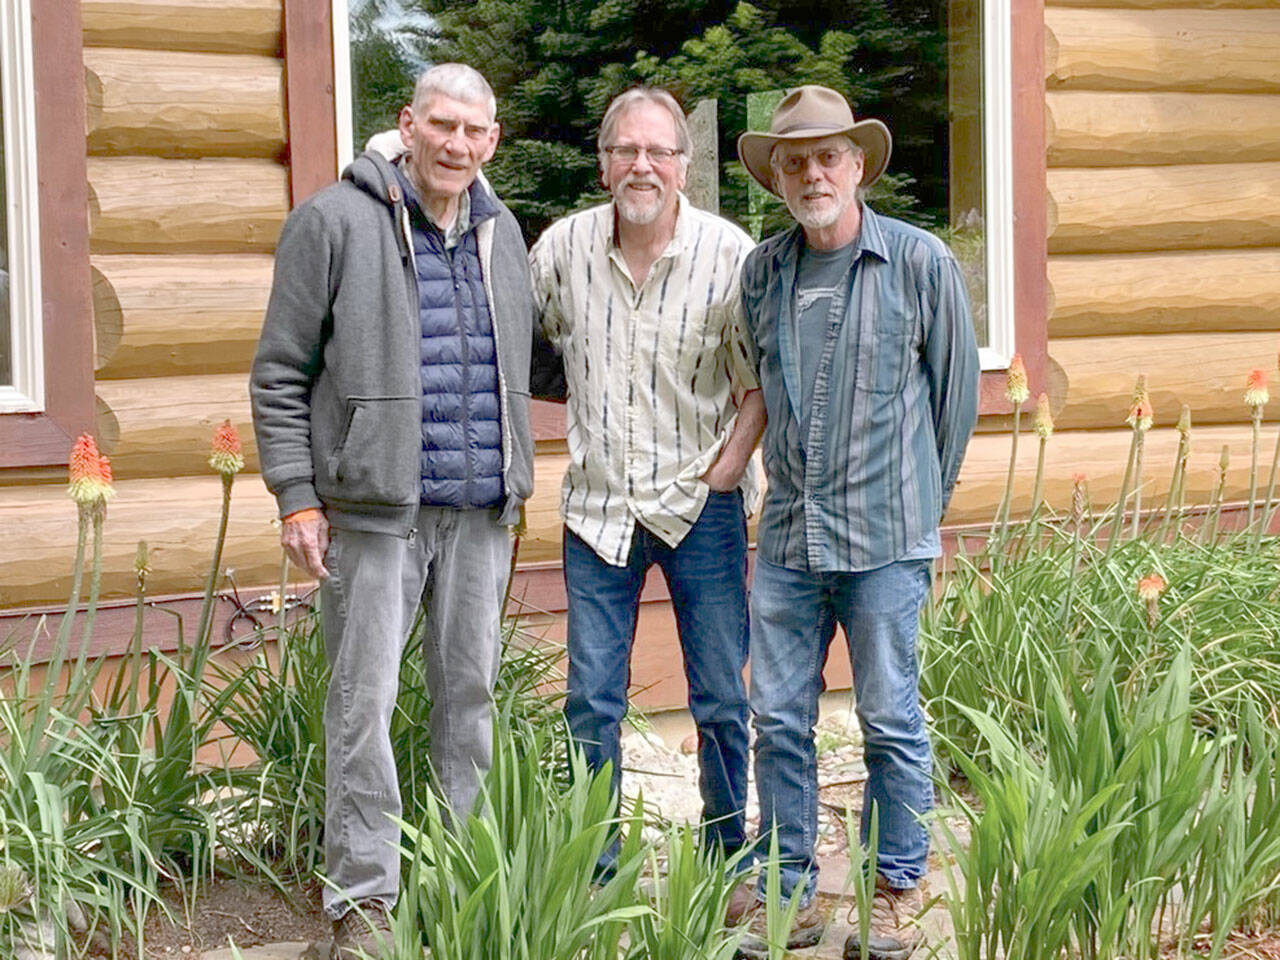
[(461, 426)]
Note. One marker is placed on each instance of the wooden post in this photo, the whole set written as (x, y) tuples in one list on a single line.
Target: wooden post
[(703, 185)]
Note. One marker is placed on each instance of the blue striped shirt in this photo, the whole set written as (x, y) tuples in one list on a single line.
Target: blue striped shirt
[(865, 478)]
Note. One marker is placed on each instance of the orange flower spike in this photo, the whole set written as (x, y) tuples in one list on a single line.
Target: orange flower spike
[(1016, 390), (227, 457), (1044, 418), (1255, 389), (90, 473), (1151, 586)]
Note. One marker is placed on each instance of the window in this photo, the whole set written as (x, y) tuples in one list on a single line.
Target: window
[(21, 327), (46, 393), (981, 164)]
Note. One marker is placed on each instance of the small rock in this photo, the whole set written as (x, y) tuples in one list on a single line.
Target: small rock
[(689, 744)]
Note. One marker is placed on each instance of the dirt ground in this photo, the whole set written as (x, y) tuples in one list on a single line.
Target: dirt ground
[(250, 913)]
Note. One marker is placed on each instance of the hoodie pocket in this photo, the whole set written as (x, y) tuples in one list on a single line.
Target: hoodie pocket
[(377, 459)]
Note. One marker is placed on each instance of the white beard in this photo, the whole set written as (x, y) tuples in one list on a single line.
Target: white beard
[(639, 210)]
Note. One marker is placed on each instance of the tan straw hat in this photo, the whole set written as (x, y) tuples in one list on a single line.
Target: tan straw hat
[(811, 112)]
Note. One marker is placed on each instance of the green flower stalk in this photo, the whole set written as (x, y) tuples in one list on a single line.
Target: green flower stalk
[(1224, 463), (1177, 483), (227, 458), (1016, 391), (1255, 398), (1043, 425), (90, 488), (1139, 420)]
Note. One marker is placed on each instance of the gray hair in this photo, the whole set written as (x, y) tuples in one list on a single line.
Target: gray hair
[(625, 101), (456, 81)]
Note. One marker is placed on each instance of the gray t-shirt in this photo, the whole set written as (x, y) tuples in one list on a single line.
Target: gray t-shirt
[(820, 275)]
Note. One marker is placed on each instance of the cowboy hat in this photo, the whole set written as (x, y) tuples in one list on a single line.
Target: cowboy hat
[(811, 112)]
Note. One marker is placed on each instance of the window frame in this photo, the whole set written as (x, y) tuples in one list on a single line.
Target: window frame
[(25, 391), (60, 309), (1028, 196)]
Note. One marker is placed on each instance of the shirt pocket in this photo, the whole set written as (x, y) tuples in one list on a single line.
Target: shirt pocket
[(895, 350), (692, 347)]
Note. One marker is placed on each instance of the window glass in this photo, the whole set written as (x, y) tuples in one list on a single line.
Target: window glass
[(921, 66), (6, 310)]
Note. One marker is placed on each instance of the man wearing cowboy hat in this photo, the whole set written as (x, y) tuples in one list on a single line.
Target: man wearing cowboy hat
[(865, 354)]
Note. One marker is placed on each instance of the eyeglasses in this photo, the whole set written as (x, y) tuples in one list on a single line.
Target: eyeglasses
[(626, 153), (793, 163)]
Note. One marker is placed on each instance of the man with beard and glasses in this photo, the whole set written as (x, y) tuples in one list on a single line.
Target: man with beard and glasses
[(641, 297), (861, 337)]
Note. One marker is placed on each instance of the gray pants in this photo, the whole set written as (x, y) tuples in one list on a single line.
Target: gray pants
[(457, 566)]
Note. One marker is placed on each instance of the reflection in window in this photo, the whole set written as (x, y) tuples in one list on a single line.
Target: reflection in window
[(966, 221), (6, 333)]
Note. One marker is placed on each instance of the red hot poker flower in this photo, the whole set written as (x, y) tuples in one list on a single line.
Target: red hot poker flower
[(228, 453), (90, 473), (1255, 389), (1016, 389)]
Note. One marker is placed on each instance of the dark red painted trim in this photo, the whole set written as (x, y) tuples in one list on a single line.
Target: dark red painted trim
[(44, 439), (1030, 211), (309, 97)]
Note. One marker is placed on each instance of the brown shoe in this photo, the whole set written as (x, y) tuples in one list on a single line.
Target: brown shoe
[(806, 930), (895, 931), (363, 933), (741, 900)]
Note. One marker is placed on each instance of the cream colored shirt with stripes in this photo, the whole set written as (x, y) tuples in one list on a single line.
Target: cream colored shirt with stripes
[(654, 371)]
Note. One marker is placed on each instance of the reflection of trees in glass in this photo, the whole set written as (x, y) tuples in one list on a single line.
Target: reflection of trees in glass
[(6, 333), (389, 42), (556, 63)]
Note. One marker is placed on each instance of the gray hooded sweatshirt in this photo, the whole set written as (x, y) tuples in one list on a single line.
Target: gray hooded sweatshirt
[(336, 382)]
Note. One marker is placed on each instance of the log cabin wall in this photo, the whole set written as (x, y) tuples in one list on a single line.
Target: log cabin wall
[(1163, 152), (1163, 155), (187, 191)]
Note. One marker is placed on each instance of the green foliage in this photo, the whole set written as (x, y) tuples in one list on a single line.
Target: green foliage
[(555, 66), (515, 880), (1003, 633)]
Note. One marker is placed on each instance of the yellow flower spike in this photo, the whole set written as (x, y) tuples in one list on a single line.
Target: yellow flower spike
[(1016, 390), (1141, 411), (1044, 417), (227, 457), (142, 560), (1255, 389)]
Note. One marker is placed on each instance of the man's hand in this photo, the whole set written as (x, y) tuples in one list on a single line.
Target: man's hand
[(305, 538), (725, 474)]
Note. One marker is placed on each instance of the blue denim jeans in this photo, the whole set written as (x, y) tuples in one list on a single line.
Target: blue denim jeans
[(456, 565), (706, 575), (793, 619)]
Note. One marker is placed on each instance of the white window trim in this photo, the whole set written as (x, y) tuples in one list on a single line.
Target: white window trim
[(997, 139), (26, 393), (339, 16)]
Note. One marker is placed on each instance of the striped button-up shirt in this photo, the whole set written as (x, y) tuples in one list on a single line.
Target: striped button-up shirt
[(653, 371), (865, 478)]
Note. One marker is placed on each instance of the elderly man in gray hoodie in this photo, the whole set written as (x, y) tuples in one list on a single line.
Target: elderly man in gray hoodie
[(390, 398)]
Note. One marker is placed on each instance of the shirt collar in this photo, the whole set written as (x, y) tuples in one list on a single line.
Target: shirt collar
[(871, 235), (870, 238), (608, 226)]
